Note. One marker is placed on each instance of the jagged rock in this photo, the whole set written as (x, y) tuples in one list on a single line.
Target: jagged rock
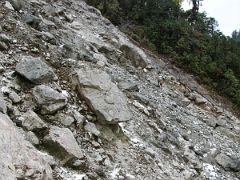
[(135, 55), (61, 142), (227, 162), (80, 119), (49, 100), (3, 107), (65, 119), (18, 158), (90, 127), (35, 70), (32, 122), (102, 95)]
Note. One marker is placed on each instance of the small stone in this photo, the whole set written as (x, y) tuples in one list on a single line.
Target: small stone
[(150, 152), (3, 46), (14, 97), (32, 122), (2, 69), (80, 119), (68, 17), (5, 38), (8, 5), (200, 101), (128, 86), (32, 138), (49, 100), (33, 21), (95, 144), (79, 164), (65, 119), (90, 127), (49, 38)]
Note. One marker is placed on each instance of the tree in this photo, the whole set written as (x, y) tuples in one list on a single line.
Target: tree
[(236, 35)]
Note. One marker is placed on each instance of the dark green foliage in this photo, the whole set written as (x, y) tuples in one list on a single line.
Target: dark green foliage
[(190, 38)]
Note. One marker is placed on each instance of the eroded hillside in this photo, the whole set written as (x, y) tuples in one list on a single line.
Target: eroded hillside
[(81, 101)]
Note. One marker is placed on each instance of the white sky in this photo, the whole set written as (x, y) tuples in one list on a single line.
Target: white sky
[(226, 12)]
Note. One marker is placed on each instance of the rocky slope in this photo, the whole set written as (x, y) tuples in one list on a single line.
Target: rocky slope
[(80, 101)]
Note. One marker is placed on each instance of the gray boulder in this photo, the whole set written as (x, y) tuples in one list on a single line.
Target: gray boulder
[(102, 95), (61, 142), (90, 127), (65, 119), (18, 158), (35, 70), (49, 100), (32, 122), (15, 98)]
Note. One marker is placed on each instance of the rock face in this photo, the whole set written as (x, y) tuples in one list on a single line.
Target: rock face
[(120, 123), (49, 100), (61, 142), (18, 158), (35, 70), (102, 95), (32, 122)]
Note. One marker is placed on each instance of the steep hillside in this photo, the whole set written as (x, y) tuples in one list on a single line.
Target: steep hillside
[(80, 101)]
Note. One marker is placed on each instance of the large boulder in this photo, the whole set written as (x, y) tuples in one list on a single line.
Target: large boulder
[(35, 70), (18, 158), (102, 95), (61, 142), (48, 99)]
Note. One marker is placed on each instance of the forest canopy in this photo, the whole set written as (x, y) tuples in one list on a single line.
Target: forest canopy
[(190, 38)]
